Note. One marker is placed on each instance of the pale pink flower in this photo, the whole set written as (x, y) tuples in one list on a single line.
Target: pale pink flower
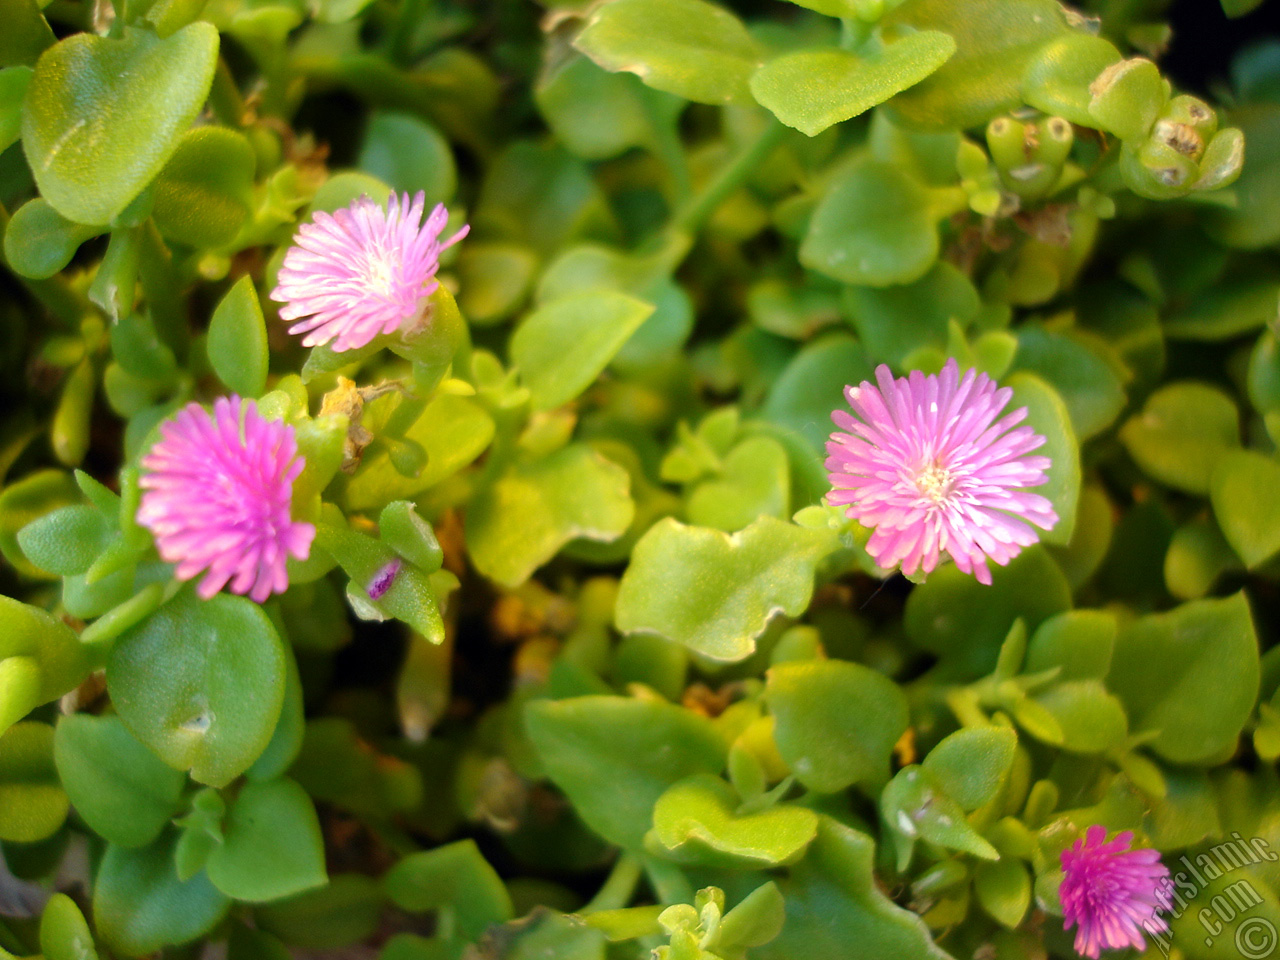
[(363, 271), (1112, 893), (217, 495), (928, 465)]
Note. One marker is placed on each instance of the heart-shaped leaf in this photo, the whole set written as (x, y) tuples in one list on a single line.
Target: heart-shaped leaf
[(563, 346), (201, 682), (119, 788), (756, 483), (1182, 433), (714, 592), (519, 521), (694, 49), (696, 822), (1243, 491), (614, 757), (837, 722), (103, 115), (873, 227), (813, 89), (272, 846)]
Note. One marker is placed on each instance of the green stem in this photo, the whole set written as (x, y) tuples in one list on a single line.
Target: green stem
[(670, 151), (729, 179), (54, 293), (619, 887), (669, 883)]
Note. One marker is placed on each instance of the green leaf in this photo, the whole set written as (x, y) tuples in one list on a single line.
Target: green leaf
[(896, 321), (812, 385), (13, 88), (1225, 311), (272, 846), (140, 906), (39, 241), (47, 652), (1079, 643), (286, 741), (1077, 367), (409, 597), (873, 227), (1058, 76), (1243, 492), (64, 934), (203, 194), (597, 114), (456, 876), (201, 682), (971, 765), (1198, 555), (521, 520), (590, 266), (756, 920), (1127, 98), (756, 483), (614, 757), (33, 804), (1165, 662), (833, 900), (1088, 717), (959, 619), (813, 89), (1004, 890), (837, 722), (915, 807), (123, 791), (713, 592), (696, 821), (237, 342), (691, 48), (409, 155), (452, 432), (1254, 222), (104, 115), (68, 540), (1183, 432), (1239, 8), (345, 911), (563, 346), (995, 40), (1047, 413), (26, 33), (495, 278)]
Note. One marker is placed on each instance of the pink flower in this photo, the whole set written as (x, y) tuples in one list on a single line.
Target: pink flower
[(217, 494), (362, 271), (1112, 893), (930, 468)]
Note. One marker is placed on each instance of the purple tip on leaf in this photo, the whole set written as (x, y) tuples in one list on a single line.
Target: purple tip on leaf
[(383, 579)]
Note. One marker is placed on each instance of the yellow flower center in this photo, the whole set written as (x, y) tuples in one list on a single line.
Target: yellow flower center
[(934, 482)]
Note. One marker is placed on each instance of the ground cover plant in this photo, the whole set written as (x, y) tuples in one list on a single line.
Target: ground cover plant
[(636, 478)]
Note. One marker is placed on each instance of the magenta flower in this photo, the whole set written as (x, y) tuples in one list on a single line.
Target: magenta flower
[(217, 494), (1112, 893), (930, 468), (362, 271)]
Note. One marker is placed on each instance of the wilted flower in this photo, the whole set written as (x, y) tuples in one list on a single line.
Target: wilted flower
[(1111, 893), (930, 468), (217, 495), (363, 271)]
